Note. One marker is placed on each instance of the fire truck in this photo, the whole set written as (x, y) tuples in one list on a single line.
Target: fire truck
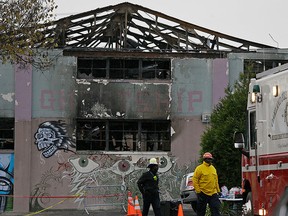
[(264, 147)]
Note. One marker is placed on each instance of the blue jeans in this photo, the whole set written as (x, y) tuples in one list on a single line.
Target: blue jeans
[(154, 199), (213, 201)]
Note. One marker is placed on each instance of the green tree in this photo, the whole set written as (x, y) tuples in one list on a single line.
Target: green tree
[(22, 26), (227, 117)]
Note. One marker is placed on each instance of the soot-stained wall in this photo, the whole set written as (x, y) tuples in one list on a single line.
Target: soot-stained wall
[(127, 100), (47, 164)]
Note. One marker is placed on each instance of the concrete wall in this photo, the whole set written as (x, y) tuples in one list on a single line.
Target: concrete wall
[(132, 100), (198, 84), (47, 102), (7, 93)]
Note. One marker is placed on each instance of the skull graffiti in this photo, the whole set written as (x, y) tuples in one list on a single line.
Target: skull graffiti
[(50, 137)]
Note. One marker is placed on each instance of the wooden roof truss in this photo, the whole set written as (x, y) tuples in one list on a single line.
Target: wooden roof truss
[(128, 26)]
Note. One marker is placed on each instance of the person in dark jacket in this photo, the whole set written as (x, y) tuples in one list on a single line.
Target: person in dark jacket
[(246, 188), (148, 186)]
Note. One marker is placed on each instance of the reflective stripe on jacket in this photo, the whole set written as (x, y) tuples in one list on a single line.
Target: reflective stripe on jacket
[(148, 182)]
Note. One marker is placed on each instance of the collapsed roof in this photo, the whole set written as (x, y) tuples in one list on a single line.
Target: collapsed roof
[(130, 27)]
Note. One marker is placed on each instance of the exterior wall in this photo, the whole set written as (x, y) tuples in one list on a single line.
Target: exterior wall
[(23, 114), (51, 175), (7, 157), (7, 181), (55, 89), (220, 79), (136, 100), (197, 86), (7, 93), (49, 101)]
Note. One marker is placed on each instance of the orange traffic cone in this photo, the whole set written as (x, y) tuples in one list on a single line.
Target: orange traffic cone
[(180, 210), (130, 210), (137, 207)]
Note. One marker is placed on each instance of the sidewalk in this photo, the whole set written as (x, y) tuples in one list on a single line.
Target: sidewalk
[(187, 212), (69, 213)]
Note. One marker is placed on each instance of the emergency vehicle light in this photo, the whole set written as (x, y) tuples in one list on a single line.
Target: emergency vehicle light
[(262, 211), (256, 95), (275, 90), (253, 97)]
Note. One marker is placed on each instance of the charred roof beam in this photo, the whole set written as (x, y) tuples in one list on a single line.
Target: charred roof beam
[(109, 26), (176, 30)]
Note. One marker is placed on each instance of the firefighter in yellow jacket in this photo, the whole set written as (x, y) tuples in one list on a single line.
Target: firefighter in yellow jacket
[(206, 186)]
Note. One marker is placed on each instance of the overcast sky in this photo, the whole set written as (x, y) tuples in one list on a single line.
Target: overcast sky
[(262, 21)]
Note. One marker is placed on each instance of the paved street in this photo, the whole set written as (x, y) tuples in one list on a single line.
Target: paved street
[(187, 212)]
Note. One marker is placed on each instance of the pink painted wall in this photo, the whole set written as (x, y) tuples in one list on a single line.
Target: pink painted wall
[(220, 79), (186, 140), (23, 92), (23, 139)]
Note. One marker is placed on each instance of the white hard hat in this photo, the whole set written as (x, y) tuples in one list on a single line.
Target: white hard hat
[(153, 161)]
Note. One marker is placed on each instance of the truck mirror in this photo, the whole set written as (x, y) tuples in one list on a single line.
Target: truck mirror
[(239, 140)]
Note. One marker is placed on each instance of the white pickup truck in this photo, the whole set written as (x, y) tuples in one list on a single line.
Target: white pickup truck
[(187, 191)]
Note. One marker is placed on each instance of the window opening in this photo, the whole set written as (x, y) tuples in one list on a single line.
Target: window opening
[(91, 135), (258, 66), (127, 135), (253, 132), (155, 69), (6, 133), (123, 69), (89, 68)]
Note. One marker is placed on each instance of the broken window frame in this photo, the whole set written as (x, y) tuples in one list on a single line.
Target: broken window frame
[(91, 135), (258, 65), (123, 135), (7, 133), (117, 68)]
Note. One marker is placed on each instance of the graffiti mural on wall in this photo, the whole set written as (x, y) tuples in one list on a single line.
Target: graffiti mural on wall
[(105, 169), (49, 179), (51, 136), (6, 179), (92, 170)]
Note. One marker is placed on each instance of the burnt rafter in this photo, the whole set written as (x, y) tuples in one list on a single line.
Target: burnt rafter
[(132, 27)]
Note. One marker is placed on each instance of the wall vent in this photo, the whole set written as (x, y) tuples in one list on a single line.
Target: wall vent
[(206, 117)]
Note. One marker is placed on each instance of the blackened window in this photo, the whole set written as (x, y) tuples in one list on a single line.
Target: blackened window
[(91, 68), (111, 68), (155, 69), (6, 133), (123, 135), (156, 136), (91, 135), (123, 69)]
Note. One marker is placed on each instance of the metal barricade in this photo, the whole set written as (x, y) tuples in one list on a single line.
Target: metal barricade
[(104, 195)]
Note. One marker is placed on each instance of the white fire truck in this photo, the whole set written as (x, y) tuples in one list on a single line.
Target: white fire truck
[(265, 150)]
